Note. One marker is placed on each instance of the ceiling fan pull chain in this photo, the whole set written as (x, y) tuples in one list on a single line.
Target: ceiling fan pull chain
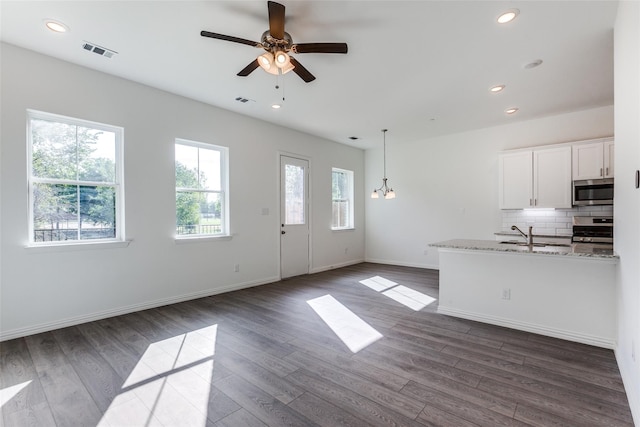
[(282, 90)]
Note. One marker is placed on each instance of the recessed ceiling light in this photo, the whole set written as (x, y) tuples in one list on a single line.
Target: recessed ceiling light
[(56, 26), (508, 16), (276, 106), (532, 64), (512, 110), (497, 88)]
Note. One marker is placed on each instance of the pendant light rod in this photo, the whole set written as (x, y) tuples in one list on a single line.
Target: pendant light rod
[(384, 152)]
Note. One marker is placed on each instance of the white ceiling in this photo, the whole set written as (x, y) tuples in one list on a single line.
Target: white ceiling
[(418, 68)]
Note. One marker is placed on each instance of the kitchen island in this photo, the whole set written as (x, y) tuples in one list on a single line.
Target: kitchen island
[(563, 291)]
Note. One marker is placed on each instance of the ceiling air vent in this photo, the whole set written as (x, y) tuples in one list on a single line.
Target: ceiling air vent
[(102, 51)]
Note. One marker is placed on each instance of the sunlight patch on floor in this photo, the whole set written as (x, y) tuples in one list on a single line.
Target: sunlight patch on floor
[(169, 385), (354, 332), (406, 296), (378, 283), (8, 393), (409, 297)]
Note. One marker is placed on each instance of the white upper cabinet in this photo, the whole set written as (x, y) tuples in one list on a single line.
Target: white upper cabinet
[(552, 178), (516, 180), (593, 160), (536, 178)]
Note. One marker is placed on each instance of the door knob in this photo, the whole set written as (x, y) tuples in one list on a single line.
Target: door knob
[(283, 232)]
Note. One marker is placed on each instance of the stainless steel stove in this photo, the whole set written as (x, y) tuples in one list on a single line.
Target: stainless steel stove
[(593, 229)]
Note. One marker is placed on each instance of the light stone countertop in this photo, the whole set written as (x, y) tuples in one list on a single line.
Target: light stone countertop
[(587, 250)]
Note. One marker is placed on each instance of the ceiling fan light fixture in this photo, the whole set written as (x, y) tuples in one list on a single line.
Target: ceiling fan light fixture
[(266, 61), (282, 59), (287, 68)]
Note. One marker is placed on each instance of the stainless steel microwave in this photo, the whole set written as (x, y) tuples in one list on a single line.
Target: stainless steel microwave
[(593, 192)]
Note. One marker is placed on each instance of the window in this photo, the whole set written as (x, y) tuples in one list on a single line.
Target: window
[(342, 194), (201, 189), (75, 180)]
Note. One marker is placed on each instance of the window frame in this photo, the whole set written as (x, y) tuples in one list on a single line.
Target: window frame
[(117, 184), (351, 199), (224, 190)]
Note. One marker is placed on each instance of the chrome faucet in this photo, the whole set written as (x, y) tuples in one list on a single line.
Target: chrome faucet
[(528, 238)]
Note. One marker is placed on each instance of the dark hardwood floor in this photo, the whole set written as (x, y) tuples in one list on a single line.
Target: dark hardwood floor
[(263, 356)]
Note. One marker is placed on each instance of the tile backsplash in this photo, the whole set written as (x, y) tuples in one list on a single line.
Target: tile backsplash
[(549, 222)]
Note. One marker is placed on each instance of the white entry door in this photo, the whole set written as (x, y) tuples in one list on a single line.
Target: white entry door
[(294, 217)]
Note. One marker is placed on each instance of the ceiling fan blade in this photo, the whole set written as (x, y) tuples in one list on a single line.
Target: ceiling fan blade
[(249, 68), (320, 48), (301, 71), (229, 38), (276, 20)]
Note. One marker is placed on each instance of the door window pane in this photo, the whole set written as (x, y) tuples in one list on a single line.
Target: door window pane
[(294, 195)]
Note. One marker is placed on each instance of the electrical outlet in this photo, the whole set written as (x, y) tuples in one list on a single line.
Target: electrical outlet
[(236, 268), (346, 250), (506, 293)]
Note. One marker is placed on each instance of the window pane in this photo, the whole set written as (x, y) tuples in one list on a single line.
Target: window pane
[(96, 155), (54, 150), (210, 170), (186, 166), (342, 193), (97, 212), (340, 213), (55, 215), (340, 183), (199, 212), (294, 195), (66, 153)]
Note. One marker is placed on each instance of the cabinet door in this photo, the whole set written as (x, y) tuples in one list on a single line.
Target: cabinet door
[(588, 161), (608, 159), (515, 187), (552, 178)]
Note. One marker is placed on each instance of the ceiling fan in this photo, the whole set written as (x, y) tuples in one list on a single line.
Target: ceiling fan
[(278, 46)]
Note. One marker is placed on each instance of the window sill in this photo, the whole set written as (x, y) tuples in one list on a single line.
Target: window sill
[(179, 240), (343, 229), (76, 246)]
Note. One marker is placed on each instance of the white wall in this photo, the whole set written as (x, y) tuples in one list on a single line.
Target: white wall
[(447, 187), (627, 198), (42, 289)]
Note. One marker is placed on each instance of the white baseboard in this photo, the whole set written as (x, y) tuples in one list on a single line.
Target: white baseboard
[(529, 327), (333, 266), (633, 393), (401, 263), (71, 321)]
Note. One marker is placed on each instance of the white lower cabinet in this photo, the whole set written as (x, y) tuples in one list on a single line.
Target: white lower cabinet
[(535, 178)]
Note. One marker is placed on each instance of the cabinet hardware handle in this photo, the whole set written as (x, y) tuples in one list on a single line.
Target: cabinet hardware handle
[(283, 232), (600, 171), (530, 202), (535, 202), (606, 171), (637, 179)]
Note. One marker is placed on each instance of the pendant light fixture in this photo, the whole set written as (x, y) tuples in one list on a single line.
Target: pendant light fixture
[(387, 192)]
